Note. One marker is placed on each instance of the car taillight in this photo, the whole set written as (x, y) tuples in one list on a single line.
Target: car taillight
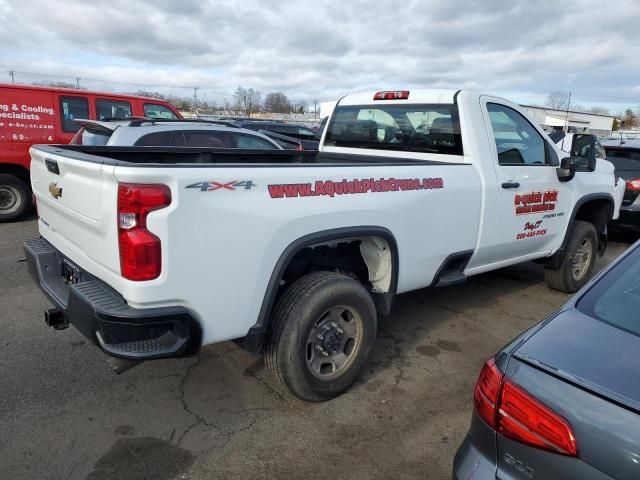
[(392, 95), (516, 414), (634, 185), (140, 250), (485, 396)]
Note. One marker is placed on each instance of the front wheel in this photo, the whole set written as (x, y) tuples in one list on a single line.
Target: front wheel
[(323, 329), (15, 198), (578, 262)]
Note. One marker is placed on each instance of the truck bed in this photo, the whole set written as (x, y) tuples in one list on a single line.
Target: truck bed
[(168, 156)]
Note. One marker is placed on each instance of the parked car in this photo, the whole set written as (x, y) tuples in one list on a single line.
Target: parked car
[(37, 114), (563, 399), (297, 253), (625, 157), (176, 133)]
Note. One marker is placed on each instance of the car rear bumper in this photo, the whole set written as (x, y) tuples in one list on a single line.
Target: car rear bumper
[(103, 316), (471, 464)]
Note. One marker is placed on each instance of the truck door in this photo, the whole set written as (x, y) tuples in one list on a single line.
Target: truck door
[(531, 200)]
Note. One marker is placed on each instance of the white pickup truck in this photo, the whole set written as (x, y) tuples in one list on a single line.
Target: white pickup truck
[(154, 252)]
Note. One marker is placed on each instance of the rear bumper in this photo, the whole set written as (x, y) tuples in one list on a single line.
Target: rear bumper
[(470, 463), (104, 317)]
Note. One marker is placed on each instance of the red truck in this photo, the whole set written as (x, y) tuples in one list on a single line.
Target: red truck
[(37, 114)]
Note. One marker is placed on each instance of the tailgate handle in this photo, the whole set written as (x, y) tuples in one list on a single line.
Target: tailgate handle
[(52, 166), (510, 185)]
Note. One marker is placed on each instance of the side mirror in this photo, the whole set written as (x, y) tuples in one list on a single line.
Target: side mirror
[(583, 152), (566, 169)]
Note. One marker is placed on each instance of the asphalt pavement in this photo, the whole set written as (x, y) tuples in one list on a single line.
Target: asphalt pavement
[(65, 415)]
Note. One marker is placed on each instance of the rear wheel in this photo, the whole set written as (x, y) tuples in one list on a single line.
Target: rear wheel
[(579, 260), (323, 330), (15, 198)]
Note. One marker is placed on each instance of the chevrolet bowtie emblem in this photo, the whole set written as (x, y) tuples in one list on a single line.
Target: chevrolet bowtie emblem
[(55, 190)]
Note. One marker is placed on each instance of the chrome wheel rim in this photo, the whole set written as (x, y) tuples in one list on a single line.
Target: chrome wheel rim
[(581, 259), (334, 342), (9, 199)]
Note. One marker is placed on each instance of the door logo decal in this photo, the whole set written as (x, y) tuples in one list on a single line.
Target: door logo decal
[(535, 202)]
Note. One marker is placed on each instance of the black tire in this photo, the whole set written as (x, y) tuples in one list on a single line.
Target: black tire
[(15, 198), (564, 278), (304, 309)]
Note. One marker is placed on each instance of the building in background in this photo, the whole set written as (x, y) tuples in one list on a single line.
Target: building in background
[(577, 122)]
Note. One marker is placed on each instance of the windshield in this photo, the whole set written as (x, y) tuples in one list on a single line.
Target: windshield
[(413, 128), (615, 298)]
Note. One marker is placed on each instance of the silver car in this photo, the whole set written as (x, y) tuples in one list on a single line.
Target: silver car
[(176, 133)]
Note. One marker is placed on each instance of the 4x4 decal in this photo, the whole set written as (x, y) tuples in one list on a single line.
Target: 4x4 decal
[(212, 185)]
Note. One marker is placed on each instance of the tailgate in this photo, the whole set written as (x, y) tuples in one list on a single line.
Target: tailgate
[(77, 206)]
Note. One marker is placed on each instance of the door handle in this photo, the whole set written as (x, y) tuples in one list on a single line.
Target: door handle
[(510, 185)]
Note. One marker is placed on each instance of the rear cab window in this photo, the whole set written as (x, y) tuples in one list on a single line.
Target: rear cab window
[(154, 110), (409, 128), (112, 109), (72, 108)]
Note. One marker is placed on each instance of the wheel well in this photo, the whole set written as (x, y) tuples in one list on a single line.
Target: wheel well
[(367, 259), (369, 256), (597, 212), (16, 170)]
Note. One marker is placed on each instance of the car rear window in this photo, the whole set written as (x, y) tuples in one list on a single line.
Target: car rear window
[(615, 298), (411, 128), (624, 159)]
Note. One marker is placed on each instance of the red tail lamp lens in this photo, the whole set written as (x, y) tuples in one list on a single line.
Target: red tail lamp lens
[(140, 250)]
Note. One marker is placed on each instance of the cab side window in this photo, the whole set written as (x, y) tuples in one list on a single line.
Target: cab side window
[(517, 141), (72, 108)]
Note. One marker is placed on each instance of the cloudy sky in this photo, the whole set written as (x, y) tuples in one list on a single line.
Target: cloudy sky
[(325, 48)]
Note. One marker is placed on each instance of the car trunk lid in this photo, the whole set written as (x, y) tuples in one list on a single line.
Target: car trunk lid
[(589, 353)]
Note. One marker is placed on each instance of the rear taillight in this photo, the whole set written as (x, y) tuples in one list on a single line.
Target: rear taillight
[(634, 185), (485, 396), (140, 250), (516, 414), (392, 95)]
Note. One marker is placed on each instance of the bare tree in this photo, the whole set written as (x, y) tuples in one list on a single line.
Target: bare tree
[(247, 100), (629, 119), (59, 85), (558, 100), (599, 111), (277, 102)]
